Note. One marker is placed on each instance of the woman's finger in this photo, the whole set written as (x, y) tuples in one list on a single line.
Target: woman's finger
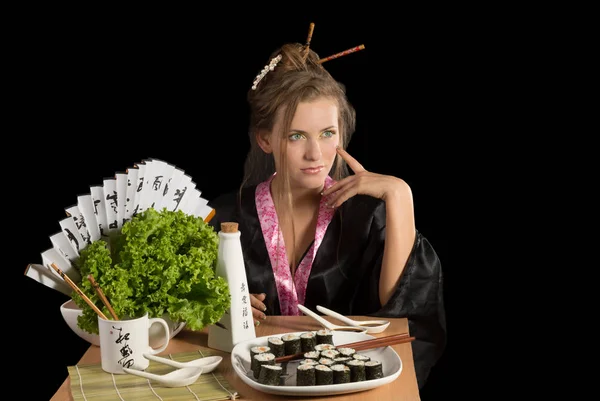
[(350, 161), (258, 307)]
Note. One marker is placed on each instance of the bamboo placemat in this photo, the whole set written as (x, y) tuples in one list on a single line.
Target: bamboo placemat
[(91, 383)]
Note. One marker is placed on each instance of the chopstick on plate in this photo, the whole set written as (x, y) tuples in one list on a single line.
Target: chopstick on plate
[(102, 296), (78, 291), (360, 345)]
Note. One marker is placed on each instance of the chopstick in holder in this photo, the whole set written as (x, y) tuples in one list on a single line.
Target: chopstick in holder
[(360, 345), (102, 296), (77, 290)]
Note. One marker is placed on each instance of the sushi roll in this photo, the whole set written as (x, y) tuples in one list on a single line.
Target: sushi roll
[(357, 370), (323, 375), (314, 355), (342, 359), (330, 353), (373, 370), (324, 347), (341, 373), (308, 341), (345, 351), (265, 358), (307, 361), (255, 351), (270, 375), (361, 357), (325, 336), (305, 375), (291, 343), (276, 346), (326, 361)]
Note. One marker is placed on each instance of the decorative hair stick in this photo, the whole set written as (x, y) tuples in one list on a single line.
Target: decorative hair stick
[(311, 28), (340, 54), (77, 290), (102, 296)]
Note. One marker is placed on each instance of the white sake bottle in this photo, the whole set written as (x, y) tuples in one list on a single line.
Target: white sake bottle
[(237, 324)]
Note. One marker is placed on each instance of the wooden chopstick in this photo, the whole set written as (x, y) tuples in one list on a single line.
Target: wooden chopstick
[(359, 345), (78, 290), (102, 296)]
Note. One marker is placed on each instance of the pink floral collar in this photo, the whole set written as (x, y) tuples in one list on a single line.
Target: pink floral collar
[(291, 291)]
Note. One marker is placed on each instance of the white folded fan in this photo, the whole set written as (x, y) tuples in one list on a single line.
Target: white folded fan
[(151, 183)]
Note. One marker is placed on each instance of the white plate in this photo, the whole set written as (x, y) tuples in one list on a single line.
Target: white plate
[(392, 366)]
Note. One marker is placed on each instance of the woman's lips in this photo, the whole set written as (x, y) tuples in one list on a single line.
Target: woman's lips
[(312, 170)]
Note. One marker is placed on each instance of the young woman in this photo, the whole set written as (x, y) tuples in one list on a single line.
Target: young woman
[(314, 234)]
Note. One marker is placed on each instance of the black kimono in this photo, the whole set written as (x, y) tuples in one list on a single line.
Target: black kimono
[(345, 272)]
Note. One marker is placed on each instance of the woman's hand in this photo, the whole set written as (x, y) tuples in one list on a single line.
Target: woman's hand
[(362, 182), (258, 307)]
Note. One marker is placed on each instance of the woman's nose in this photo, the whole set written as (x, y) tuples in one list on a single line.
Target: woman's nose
[(313, 150)]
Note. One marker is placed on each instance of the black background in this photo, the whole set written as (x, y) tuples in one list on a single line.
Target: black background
[(93, 97)]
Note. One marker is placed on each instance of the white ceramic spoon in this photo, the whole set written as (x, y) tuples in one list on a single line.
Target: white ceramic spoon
[(177, 378), (208, 364), (373, 326), (328, 325)]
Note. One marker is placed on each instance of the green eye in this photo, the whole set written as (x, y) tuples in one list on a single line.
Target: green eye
[(295, 137), (328, 134)]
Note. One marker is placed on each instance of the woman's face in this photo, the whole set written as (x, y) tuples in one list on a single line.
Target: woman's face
[(310, 144)]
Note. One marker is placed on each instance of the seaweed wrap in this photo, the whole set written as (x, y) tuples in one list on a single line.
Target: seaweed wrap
[(265, 358), (341, 373), (291, 343), (253, 352), (373, 370), (308, 341), (277, 347), (357, 370), (270, 375), (305, 375), (325, 336), (323, 375)]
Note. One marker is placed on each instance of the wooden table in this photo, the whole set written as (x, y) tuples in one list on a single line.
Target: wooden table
[(404, 388)]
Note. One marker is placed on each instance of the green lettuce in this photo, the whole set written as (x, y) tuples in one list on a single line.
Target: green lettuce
[(160, 262)]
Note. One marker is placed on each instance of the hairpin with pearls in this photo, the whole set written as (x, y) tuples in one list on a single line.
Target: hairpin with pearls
[(269, 67)]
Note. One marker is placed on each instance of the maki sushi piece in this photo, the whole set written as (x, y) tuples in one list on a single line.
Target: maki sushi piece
[(276, 346), (305, 375), (361, 357), (308, 341), (341, 373), (291, 343), (270, 375), (255, 351), (345, 351), (324, 336), (326, 361), (324, 347), (307, 361), (342, 359), (323, 375), (373, 370), (330, 353), (314, 355), (357, 370), (265, 358)]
